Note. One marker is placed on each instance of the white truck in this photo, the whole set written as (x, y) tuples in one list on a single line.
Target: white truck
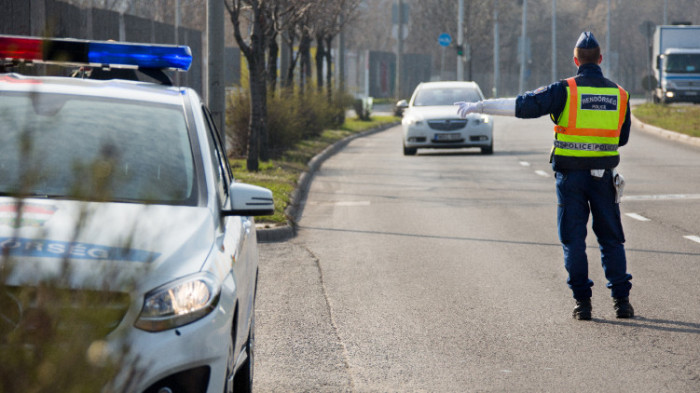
[(676, 57)]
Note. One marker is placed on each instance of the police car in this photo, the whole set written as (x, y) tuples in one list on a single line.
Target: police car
[(122, 186)]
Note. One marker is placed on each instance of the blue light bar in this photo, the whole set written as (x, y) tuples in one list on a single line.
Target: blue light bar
[(141, 55), (103, 53)]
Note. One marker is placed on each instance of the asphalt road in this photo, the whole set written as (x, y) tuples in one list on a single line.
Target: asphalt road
[(443, 272)]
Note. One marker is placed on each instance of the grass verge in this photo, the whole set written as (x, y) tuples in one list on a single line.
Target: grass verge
[(281, 174), (679, 118)]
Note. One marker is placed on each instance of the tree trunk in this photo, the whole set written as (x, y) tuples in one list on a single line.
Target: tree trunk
[(320, 55), (272, 55), (257, 120), (304, 51), (257, 138), (329, 67)]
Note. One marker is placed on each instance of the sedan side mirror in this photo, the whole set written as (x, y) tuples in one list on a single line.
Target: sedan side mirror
[(250, 200), (400, 106)]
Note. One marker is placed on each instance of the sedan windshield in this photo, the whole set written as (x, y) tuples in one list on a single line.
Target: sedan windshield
[(445, 96), (64, 146)]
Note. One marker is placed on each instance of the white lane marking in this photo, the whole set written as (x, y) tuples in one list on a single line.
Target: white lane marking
[(543, 173), (660, 197), (524, 163), (696, 239), (637, 217), (352, 203)]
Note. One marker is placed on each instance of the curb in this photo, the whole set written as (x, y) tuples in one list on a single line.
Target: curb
[(672, 135), (298, 196)]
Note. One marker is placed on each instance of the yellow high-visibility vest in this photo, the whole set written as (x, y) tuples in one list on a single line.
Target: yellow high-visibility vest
[(589, 125)]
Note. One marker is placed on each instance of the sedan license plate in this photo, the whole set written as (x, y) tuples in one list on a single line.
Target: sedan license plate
[(447, 137)]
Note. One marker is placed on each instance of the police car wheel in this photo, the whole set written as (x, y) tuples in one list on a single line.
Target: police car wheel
[(408, 151), (487, 150), (243, 380), (230, 365)]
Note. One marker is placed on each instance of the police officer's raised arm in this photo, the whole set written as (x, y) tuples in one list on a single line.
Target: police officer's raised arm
[(540, 102), (497, 106)]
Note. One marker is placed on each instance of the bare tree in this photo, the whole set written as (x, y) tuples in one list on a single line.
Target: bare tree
[(285, 15), (253, 48), (331, 17)]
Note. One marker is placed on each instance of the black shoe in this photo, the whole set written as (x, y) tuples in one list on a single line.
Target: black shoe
[(623, 308), (583, 309)]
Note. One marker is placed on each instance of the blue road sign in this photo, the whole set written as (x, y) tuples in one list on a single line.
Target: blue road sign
[(444, 39)]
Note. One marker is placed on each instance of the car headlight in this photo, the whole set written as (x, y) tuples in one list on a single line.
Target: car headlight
[(411, 122), (482, 119), (178, 303)]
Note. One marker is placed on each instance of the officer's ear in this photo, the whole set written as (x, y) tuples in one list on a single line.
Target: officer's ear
[(578, 63), (600, 59)]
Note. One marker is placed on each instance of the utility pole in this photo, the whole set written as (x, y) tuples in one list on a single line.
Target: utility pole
[(496, 75), (460, 40), (608, 52), (341, 57), (554, 40), (399, 49), (216, 96), (177, 35), (523, 59)]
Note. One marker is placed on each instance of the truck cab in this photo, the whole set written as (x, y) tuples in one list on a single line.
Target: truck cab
[(677, 64), (680, 75)]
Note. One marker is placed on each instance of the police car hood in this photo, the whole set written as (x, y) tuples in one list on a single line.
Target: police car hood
[(102, 245)]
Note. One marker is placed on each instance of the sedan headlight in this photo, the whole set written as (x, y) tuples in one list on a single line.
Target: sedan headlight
[(413, 121), (480, 120), (178, 303)]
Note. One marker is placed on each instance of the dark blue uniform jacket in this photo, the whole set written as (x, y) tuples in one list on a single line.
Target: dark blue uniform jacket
[(550, 100)]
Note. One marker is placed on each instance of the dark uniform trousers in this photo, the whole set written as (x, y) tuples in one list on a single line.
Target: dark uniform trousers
[(580, 193)]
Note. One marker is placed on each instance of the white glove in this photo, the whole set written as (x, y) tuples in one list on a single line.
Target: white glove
[(466, 108)]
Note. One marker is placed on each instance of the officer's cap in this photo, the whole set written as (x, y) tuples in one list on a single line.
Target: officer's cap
[(587, 41)]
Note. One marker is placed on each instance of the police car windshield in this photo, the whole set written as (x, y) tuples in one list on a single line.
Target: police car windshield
[(88, 148), (445, 96)]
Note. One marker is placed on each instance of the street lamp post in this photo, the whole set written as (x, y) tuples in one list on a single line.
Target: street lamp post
[(496, 75), (523, 55), (460, 39), (399, 49), (554, 40)]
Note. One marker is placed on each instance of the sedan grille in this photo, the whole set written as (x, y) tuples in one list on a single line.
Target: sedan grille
[(448, 124)]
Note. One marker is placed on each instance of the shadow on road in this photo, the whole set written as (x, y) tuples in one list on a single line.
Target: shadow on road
[(465, 152), (475, 239), (655, 324)]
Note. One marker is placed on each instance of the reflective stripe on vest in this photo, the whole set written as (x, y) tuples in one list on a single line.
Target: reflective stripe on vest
[(589, 125)]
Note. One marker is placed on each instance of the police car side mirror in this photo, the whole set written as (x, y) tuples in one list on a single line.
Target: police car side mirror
[(249, 200)]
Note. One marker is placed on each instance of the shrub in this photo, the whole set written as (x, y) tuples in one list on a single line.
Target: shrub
[(237, 122), (291, 117)]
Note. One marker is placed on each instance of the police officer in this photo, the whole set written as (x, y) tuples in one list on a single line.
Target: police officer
[(592, 119)]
